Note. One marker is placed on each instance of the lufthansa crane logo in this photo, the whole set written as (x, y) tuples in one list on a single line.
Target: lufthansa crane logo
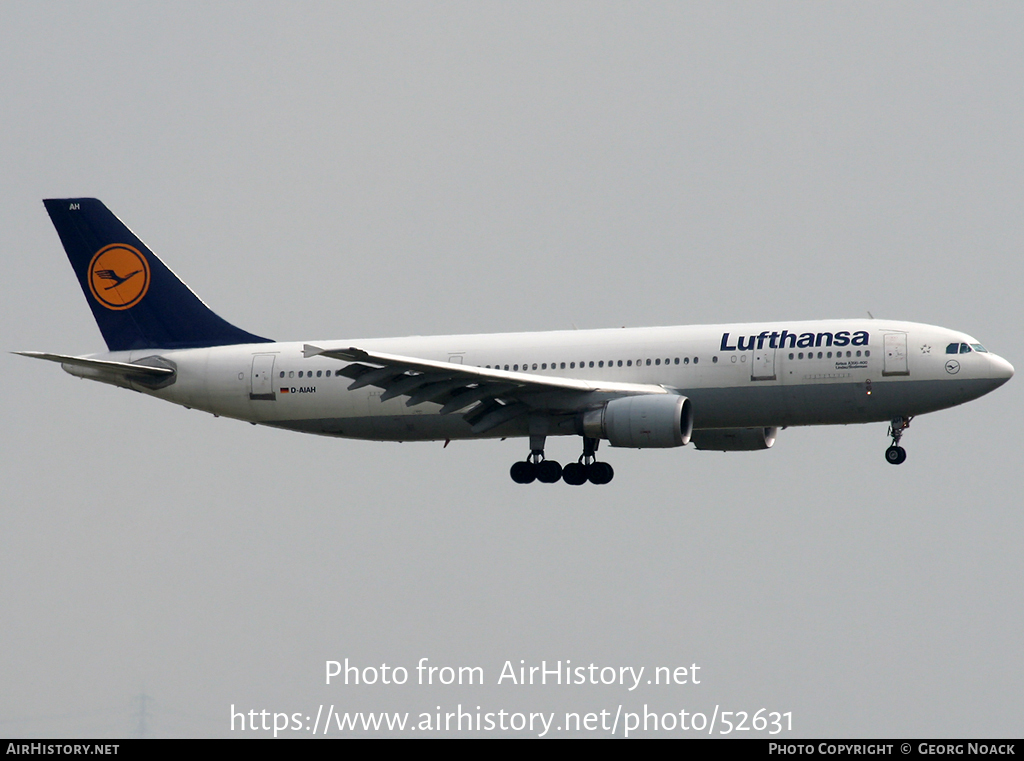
[(118, 276)]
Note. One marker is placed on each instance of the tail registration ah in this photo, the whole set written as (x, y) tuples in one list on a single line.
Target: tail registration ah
[(721, 387)]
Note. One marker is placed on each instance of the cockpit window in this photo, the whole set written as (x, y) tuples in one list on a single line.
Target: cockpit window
[(979, 347), (953, 349), (965, 349)]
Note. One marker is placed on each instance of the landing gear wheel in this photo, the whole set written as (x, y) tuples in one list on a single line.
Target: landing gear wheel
[(549, 472), (574, 474), (895, 455), (600, 473), (523, 472)]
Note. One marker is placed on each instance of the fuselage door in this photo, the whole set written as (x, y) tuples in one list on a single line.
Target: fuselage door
[(763, 366), (262, 377), (895, 362)]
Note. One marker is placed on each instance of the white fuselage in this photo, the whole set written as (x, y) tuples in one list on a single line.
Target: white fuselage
[(736, 375)]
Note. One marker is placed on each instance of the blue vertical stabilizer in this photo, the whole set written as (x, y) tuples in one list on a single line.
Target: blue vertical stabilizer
[(137, 301)]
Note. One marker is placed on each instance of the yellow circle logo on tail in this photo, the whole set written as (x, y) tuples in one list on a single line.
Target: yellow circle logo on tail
[(118, 276)]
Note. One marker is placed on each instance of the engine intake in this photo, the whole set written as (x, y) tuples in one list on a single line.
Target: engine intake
[(642, 422)]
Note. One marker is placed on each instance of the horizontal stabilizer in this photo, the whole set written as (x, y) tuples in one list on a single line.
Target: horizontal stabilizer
[(128, 369)]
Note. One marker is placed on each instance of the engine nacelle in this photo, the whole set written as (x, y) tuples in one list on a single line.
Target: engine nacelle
[(735, 439), (642, 422)]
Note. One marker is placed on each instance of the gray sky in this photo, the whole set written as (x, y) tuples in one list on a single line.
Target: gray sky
[(353, 170)]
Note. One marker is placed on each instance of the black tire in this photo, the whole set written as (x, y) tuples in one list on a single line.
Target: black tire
[(600, 473), (574, 474), (549, 472), (523, 472), (894, 455), (609, 473)]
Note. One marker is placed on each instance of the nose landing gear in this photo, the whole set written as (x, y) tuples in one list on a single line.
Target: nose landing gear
[(895, 454)]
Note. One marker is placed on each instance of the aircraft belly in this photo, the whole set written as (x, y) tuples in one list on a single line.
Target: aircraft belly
[(400, 428), (828, 403), (740, 407)]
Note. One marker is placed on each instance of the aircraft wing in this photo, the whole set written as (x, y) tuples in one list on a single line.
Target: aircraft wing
[(497, 395)]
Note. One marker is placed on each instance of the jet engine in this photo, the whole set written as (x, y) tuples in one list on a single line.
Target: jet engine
[(735, 439), (642, 422)]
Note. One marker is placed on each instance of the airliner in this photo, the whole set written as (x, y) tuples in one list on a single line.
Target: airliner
[(725, 387)]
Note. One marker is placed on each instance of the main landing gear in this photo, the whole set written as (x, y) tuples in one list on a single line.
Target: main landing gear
[(587, 468), (895, 454), (535, 467)]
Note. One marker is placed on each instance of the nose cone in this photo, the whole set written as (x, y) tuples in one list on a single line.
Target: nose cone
[(1002, 370)]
